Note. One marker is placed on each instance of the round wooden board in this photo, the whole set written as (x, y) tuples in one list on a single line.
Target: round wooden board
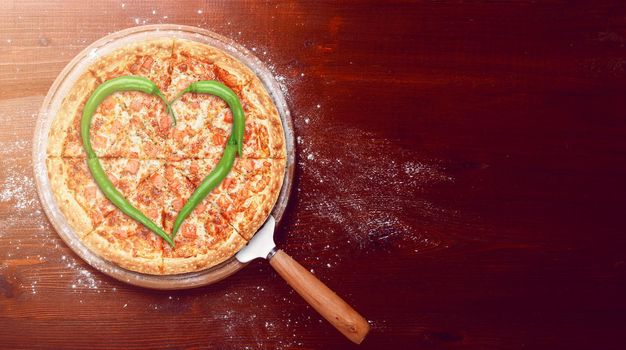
[(65, 80)]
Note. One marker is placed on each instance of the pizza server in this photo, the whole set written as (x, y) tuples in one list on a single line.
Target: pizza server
[(334, 309)]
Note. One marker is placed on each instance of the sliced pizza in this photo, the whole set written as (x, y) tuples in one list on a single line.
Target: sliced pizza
[(150, 59), (80, 198), (205, 239), (157, 165), (246, 196), (127, 243), (194, 61), (65, 127), (203, 127), (264, 136)]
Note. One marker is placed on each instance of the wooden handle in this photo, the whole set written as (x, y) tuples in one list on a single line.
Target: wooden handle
[(334, 309)]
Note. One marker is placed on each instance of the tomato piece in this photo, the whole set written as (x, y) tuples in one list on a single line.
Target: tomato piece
[(90, 193), (189, 231), (178, 204), (132, 166)]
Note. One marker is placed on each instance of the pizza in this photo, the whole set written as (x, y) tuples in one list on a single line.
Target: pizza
[(157, 165)]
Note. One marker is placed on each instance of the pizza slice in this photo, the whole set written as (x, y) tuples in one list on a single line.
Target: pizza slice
[(150, 59), (129, 124), (205, 239), (206, 121), (125, 125), (205, 124), (65, 129), (246, 196), (203, 127), (126, 242), (263, 135), (192, 61), (65, 138), (80, 198)]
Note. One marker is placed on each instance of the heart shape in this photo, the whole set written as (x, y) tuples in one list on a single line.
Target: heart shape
[(215, 177)]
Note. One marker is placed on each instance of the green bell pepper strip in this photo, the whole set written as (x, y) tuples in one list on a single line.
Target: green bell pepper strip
[(233, 147), (125, 83)]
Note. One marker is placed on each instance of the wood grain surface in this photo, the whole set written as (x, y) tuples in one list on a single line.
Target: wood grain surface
[(321, 298), (460, 182)]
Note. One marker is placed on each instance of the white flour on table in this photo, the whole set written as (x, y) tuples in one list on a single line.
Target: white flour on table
[(381, 176), (18, 196)]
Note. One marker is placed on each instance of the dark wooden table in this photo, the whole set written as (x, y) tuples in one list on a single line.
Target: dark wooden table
[(461, 179)]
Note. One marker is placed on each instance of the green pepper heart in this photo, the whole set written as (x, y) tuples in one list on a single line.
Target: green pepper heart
[(223, 167)]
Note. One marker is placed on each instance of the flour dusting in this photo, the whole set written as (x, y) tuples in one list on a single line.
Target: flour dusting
[(81, 277), (260, 331), (18, 194), (369, 211), (21, 210), (17, 189)]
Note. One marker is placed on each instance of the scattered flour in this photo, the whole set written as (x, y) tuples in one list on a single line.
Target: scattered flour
[(18, 194), (21, 209), (82, 277), (259, 331), (369, 211), (17, 188)]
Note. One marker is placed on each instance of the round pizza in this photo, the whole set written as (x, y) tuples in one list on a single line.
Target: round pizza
[(157, 164)]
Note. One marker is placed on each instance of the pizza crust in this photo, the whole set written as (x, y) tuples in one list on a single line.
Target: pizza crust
[(261, 107), (222, 252), (251, 215), (231, 71), (74, 213), (102, 247), (71, 105), (117, 62)]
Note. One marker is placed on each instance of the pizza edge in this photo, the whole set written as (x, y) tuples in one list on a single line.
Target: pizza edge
[(265, 104), (218, 254), (73, 212), (217, 57), (265, 199), (120, 56), (78, 94), (101, 247)]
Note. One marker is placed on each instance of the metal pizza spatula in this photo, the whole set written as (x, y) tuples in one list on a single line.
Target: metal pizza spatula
[(334, 309)]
